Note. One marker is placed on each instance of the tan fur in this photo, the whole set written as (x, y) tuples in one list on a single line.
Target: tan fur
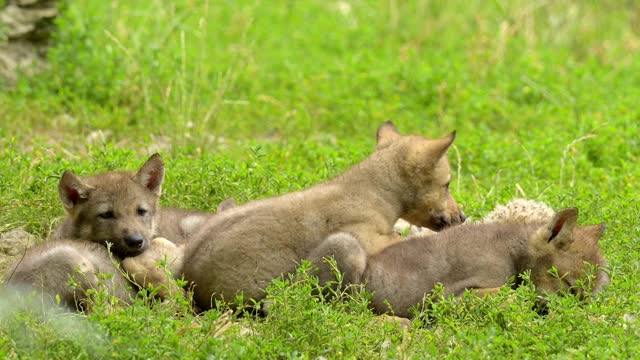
[(116, 207), (479, 257), (103, 209), (245, 248), (145, 269)]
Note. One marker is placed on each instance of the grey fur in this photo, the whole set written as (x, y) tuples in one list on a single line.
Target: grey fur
[(481, 257)]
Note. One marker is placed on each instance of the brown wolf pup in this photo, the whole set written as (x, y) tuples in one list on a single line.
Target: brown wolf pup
[(481, 257), (116, 207), (243, 249), (122, 208)]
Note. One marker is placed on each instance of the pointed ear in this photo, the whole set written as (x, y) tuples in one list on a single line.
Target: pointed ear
[(560, 229), (72, 189), (429, 152), (438, 148), (387, 133), (226, 205), (151, 174), (591, 234)]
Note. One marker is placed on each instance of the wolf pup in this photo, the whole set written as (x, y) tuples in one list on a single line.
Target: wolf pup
[(481, 257), (243, 249), (122, 208), (116, 207), (144, 269), (51, 265)]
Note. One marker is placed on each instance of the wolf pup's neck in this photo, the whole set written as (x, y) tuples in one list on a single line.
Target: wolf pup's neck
[(378, 174)]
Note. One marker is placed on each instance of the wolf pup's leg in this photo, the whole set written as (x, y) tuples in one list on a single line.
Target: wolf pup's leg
[(351, 258), (146, 270)]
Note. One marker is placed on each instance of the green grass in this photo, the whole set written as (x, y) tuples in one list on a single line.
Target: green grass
[(255, 98)]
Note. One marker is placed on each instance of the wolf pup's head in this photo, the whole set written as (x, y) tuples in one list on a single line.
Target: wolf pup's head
[(572, 250), (116, 207), (423, 166)]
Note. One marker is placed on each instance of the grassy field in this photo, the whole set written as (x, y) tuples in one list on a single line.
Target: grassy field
[(255, 98)]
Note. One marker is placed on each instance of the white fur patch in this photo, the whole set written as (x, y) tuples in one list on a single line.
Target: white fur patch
[(404, 227), (516, 211), (520, 211)]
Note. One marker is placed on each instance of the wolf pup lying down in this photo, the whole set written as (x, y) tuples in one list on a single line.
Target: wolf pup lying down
[(481, 257), (245, 248), (120, 208), (49, 267)]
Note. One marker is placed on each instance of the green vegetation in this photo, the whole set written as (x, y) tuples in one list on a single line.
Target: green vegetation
[(255, 98)]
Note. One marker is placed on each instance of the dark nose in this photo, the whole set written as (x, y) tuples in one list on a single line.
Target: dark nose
[(463, 217), (134, 241), (442, 222)]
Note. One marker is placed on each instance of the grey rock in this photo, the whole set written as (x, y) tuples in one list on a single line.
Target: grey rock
[(15, 242), (27, 27)]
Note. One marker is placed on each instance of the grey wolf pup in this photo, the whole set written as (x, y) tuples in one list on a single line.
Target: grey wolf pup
[(480, 257), (243, 249)]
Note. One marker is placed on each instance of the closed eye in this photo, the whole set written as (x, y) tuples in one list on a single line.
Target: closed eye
[(142, 211), (107, 215)]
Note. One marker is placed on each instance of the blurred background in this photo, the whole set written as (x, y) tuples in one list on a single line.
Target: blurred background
[(201, 69), (272, 96)]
